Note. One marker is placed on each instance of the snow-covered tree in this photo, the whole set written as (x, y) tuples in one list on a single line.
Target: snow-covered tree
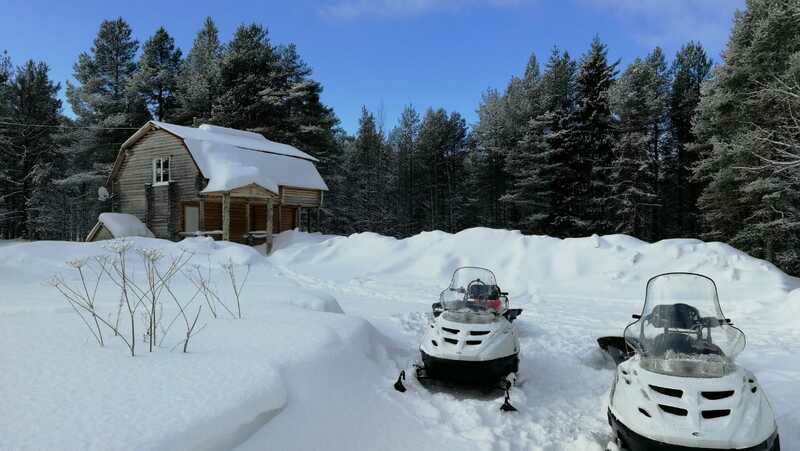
[(738, 113), (539, 163), (107, 113), (690, 68), (441, 149), (369, 170), (639, 101), (27, 156)]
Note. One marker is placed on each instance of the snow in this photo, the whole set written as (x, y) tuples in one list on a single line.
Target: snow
[(124, 225), (328, 323), (235, 158)]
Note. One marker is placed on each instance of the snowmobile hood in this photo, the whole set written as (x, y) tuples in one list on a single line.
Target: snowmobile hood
[(728, 412)]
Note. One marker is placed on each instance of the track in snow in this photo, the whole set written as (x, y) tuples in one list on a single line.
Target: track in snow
[(564, 378)]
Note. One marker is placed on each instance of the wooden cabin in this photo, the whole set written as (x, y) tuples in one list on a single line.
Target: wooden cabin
[(213, 181)]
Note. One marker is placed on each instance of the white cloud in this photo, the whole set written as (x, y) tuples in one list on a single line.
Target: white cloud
[(353, 9), (673, 22)]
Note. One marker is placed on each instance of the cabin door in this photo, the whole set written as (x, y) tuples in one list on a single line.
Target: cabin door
[(191, 218)]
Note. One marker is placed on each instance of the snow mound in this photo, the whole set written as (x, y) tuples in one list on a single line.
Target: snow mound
[(221, 252), (613, 266), (315, 300), (69, 393), (124, 225)]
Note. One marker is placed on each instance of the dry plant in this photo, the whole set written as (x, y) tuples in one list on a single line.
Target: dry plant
[(133, 295), (230, 269), (202, 281)]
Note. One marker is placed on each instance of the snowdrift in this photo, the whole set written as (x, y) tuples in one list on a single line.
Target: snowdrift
[(61, 390), (328, 323), (612, 266)]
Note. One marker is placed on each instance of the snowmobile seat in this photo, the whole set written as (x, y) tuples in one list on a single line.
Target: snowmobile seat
[(482, 291), (675, 316), (684, 344)]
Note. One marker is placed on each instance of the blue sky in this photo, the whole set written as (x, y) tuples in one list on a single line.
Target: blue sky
[(386, 54)]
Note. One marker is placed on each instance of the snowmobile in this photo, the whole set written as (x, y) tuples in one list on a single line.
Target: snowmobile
[(471, 338), (677, 386)]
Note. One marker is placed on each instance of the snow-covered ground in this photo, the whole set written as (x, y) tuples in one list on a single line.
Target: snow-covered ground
[(298, 374)]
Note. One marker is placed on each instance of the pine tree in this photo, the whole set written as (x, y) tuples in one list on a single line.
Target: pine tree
[(102, 98), (589, 134), (28, 155), (110, 111), (156, 78), (267, 89), (246, 70), (199, 79)]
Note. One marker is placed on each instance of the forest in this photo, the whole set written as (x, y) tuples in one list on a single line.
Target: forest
[(668, 146)]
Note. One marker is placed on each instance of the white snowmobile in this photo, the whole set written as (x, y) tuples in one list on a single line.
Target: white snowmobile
[(471, 338), (680, 389)]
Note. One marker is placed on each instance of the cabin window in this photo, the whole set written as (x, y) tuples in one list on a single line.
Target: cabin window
[(161, 170)]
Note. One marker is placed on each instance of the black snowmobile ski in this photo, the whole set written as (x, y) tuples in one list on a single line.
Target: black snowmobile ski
[(616, 348)]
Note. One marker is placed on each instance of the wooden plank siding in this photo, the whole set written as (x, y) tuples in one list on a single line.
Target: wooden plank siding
[(213, 215), (136, 171), (301, 197), (288, 218)]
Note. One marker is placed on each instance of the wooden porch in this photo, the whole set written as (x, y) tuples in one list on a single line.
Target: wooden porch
[(248, 215)]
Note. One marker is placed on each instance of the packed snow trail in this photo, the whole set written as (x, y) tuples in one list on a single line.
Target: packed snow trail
[(560, 396)]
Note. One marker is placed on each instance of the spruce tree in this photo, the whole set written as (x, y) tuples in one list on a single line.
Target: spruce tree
[(639, 101), (199, 79), (539, 164), (368, 166), (690, 69), (28, 155), (156, 78), (590, 136), (403, 140), (502, 121), (488, 176), (441, 148)]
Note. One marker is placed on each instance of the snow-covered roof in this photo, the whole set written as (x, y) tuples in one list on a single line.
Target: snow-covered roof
[(232, 137), (122, 225), (232, 159)]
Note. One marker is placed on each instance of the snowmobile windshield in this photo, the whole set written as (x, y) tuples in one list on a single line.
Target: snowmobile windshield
[(682, 331), (473, 290)]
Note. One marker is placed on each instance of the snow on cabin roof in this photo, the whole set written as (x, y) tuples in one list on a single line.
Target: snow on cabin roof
[(122, 225), (232, 137), (232, 159)]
